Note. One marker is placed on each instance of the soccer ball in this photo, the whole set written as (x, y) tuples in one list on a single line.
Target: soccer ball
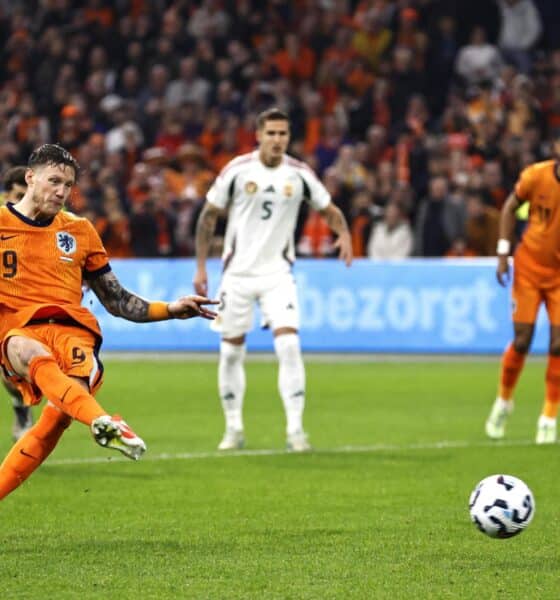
[(501, 506)]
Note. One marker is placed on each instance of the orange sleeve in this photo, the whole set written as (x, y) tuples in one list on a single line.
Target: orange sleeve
[(524, 185), (97, 258)]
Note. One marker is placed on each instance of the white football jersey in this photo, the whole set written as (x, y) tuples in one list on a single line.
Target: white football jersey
[(263, 204)]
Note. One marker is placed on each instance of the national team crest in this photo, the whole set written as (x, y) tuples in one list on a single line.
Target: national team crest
[(66, 242), (288, 190), (250, 187)]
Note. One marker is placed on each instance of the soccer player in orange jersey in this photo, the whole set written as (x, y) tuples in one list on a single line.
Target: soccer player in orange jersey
[(14, 189), (536, 280), (49, 342)]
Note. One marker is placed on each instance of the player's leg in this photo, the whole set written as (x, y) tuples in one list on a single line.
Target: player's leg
[(31, 359), (235, 318), (279, 304), (291, 385), (32, 448), (513, 360), (231, 385), (526, 301), (546, 425), (23, 417)]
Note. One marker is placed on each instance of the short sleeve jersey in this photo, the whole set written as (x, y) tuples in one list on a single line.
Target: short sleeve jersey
[(263, 204), (539, 186), (43, 266)]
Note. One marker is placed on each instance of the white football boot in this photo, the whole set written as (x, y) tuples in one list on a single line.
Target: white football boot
[(233, 440), (546, 430), (113, 432), (496, 422), (298, 442)]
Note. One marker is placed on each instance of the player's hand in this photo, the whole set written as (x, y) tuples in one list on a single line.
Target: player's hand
[(502, 271), (192, 306), (344, 245), (200, 282)]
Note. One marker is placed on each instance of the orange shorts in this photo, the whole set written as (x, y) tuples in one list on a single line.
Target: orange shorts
[(533, 285), (75, 349)]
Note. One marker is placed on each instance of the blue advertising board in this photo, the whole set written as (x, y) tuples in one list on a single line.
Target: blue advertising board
[(416, 305)]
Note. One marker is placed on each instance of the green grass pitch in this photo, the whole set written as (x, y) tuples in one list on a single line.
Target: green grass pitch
[(379, 510)]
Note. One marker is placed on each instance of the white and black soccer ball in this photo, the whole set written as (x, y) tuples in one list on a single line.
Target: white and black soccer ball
[(501, 506)]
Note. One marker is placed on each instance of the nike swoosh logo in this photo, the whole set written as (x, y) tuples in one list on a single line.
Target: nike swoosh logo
[(64, 395), (7, 237), (28, 455)]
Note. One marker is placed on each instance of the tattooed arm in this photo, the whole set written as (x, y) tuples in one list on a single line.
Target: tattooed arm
[(336, 221), (205, 227), (122, 303)]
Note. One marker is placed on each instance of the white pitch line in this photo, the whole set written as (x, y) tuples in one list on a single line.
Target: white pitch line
[(442, 445)]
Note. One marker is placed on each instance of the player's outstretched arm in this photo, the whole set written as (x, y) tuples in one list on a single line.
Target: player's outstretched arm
[(507, 227), (336, 221), (205, 228), (122, 303)]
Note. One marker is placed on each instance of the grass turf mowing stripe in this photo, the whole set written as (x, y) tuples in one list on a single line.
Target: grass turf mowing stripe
[(442, 445)]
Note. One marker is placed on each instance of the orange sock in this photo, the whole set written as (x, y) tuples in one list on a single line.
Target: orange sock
[(32, 449), (512, 364), (64, 392), (552, 397)]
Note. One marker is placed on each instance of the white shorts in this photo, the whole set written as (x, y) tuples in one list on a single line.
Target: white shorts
[(276, 296)]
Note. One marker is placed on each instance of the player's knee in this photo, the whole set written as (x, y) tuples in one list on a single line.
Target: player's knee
[(231, 354), (21, 351), (522, 344), (287, 347)]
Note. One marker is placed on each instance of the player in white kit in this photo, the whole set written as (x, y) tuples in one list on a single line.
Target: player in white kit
[(261, 192)]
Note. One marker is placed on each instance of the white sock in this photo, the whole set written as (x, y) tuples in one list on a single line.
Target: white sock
[(231, 383), (291, 379)]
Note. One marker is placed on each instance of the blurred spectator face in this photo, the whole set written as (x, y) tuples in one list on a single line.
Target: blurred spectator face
[(492, 174), (273, 138), (130, 78), (361, 201), (475, 206), (27, 106), (361, 152), (447, 25), (402, 59), (331, 181), (478, 36), (223, 68), (224, 92), (187, 69), (392, 215), (171, 24), (291, 43), (159, 76), (95, 85), (134, 52), (385, 170), (97, 58), (438, 188), (140, 175), (16, 193), (376, 136), (346, 155)]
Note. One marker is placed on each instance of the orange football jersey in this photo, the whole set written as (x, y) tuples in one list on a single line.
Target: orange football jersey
[(539, 186), (43, 266)]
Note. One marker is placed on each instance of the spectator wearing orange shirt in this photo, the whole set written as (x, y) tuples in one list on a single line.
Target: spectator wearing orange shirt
[(295, 60)]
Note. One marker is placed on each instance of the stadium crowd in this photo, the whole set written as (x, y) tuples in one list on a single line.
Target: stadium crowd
[(417, 114)]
